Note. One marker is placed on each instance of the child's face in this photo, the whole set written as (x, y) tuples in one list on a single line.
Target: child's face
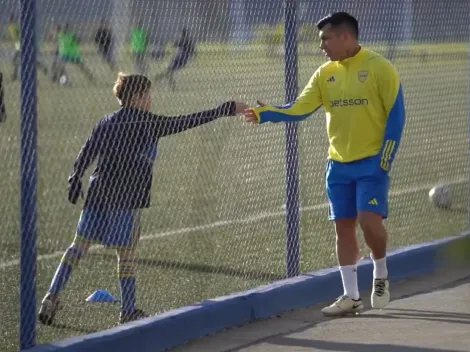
[(146, 101), (141, 101)]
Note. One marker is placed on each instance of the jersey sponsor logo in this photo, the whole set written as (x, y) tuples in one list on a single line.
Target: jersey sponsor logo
[(362, 76), (348, 102)]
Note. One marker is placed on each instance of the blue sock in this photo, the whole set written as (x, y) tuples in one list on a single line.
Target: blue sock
[(70, 258), (127, 285), (127, 294)]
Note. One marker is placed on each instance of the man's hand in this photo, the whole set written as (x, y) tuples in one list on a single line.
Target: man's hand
[(250, 115)]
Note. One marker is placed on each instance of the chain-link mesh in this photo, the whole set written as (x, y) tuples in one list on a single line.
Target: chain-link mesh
[(216, 224)]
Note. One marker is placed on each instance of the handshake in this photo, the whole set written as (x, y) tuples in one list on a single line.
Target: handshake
[(242, 108)]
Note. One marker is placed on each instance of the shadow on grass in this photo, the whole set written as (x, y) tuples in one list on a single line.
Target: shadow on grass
[(200, 268), (440, 317), (74, 328)]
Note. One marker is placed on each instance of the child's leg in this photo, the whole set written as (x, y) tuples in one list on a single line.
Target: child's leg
[(126, 275), (70, 259), (127, 240)]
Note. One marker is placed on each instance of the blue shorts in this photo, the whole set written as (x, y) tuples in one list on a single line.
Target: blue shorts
[(111, 228), (356, 186)]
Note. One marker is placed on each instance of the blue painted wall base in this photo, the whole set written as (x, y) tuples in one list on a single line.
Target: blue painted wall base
[(181, 325)]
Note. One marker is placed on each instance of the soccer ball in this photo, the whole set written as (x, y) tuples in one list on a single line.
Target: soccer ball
[(440, 196), (63, 80)]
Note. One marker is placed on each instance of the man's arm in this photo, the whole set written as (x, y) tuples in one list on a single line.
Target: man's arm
[(391, 93), (304, 106), (85, 158), (170, 125)]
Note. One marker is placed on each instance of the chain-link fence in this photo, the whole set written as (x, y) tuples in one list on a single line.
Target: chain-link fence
[(217, 220)]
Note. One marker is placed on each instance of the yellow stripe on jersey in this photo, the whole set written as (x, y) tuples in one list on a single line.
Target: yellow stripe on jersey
[(386, 154)]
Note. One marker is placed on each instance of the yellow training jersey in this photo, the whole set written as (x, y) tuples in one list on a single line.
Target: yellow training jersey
[(363, 102)]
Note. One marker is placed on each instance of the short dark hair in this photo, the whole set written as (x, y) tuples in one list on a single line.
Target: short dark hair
[(127, 86), (338, 19)]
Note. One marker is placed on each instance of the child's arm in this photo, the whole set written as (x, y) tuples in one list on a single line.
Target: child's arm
[(171, 125), (85, 158)]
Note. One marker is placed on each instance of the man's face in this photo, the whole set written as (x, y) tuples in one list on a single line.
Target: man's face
[(332, 42)]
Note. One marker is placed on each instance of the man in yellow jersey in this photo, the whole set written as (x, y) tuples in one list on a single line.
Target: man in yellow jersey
[(361, 94)]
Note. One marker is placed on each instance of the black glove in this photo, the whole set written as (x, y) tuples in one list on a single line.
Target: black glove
[(74, 189)]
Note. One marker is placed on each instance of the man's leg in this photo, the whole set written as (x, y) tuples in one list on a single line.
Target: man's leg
[(70, 259), (341, 192), (373, 208), (347, 253)]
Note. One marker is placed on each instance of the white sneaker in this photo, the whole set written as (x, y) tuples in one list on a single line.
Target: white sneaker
[(380, 294), (344, 305)]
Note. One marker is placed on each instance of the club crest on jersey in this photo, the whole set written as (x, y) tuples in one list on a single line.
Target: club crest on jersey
[(362, 75)]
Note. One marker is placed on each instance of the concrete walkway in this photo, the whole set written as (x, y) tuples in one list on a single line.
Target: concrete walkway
[(431, 313)]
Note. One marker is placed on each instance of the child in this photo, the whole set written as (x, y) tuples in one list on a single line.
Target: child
[(125, 143)]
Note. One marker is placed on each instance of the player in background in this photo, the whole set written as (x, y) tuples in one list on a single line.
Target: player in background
[(57, 70), (125, 144), (104, 41), (69, 52), (14, 32), (362, 96), (185, 49), (139, 42)]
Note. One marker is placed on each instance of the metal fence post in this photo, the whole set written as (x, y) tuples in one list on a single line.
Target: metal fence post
[(28, 174), (291, 153)]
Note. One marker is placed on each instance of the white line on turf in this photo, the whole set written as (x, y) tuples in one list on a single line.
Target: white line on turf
[(248, 220)]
